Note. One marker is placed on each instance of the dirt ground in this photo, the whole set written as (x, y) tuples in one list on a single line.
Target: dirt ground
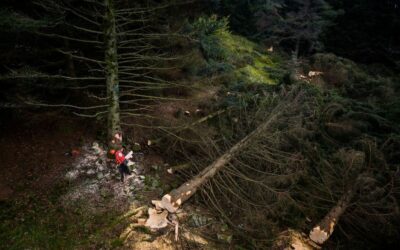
[(35, 149)]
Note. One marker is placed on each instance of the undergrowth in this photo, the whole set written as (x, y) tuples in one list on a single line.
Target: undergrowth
[(36, 222)]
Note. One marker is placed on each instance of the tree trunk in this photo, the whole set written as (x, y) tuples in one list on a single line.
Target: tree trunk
[(294, 71), (176, 197), (292, 239), (324, 229), (111, 68), (70, 61)]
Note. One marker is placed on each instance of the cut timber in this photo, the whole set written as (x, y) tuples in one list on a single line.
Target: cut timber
[(157, 220), (324, 229), (292, 239), (157, 204), (176, 197)]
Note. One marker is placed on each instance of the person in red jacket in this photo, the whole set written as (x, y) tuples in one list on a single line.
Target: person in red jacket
[(122, 163)]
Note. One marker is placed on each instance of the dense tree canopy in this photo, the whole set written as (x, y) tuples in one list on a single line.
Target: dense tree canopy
[(361, 30)]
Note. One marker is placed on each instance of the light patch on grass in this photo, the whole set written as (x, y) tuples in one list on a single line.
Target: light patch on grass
[(254, 75), (235, 44)]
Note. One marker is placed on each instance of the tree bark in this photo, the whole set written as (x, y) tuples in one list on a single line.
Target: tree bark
[(70, 61), (111, 68), (324, 229), (321, 232), (294, 71)]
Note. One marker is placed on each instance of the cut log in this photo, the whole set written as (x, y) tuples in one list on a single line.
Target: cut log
[(177, 197), (292, 239), (324, 229), (320, 233), (157, 220)]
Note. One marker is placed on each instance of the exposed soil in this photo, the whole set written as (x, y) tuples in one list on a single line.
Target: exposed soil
[(35, 150)]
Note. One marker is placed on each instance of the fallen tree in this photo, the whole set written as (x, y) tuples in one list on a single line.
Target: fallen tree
[(321, 232), (173, 200), (177, 197), (281, 171), (324, 229)]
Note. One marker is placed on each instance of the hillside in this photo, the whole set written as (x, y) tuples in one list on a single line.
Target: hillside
[(242, 125)]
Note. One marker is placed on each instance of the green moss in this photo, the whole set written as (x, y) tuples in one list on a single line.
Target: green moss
[(252, 64), (254, 75), (234, 44), (228, 54)]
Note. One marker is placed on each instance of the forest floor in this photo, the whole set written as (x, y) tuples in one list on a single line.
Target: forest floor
[(34, 150), (55, 187)]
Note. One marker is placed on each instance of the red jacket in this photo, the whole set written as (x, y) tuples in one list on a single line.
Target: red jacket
[(119, 157)]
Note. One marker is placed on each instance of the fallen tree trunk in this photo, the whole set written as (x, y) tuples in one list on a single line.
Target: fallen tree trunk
[(324, 229), (320, 232), (173, 200), (177, 197)]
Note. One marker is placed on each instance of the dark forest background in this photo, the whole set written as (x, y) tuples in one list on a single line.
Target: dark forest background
[(193, 79)]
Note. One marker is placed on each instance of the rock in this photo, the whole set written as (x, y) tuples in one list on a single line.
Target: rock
[(72, 175), (90, 172), (100, 176), (91, 158), (92, 188), (96, 148)]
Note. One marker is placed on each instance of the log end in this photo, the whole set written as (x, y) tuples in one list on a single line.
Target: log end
[(171, 206), (157, 220), (318, 235)]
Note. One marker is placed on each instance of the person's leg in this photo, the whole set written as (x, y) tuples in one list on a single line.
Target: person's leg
[(126, 169), (127, 172), (121, 171)]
